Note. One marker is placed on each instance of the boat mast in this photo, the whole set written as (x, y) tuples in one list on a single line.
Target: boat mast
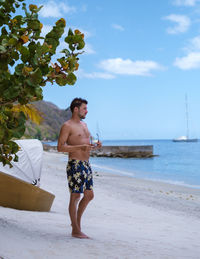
[(186, 106)]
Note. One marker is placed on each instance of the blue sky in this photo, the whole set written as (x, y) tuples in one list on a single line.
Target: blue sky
[(141, 58)]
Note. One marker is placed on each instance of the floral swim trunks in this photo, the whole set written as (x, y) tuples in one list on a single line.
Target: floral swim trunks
[(79, 175)]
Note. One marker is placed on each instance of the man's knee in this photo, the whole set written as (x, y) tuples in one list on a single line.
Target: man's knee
[(89, 195), (75, 197)]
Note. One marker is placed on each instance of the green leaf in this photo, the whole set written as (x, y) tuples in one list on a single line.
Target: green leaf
[(45, 48), (38, 93), (66, 51), (36, 76), (4, 42), (44, 69), (53, 42), (32, 48), (12, 63), (25, 54), (15, 55), (13, 41), (19, 19), (4, 63), (4, 31), (34, 60), (81, 45), (70, 32), (77, 38), (71, 79), (72, 47), (69, 39), (18, 69), (61, 81), (11, 92), (2, 49), (16, 158), (2, 133), (34, 25), (19, 130)]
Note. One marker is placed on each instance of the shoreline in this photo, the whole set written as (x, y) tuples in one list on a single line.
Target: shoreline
[(128, 218), (129, 174), (177, 197)]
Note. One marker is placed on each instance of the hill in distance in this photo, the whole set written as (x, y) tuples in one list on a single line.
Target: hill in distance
[(53, 118)]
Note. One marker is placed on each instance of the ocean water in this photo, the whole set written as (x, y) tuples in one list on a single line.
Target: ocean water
[(177, 163)]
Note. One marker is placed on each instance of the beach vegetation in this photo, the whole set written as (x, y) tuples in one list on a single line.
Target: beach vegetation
[(26, 66)]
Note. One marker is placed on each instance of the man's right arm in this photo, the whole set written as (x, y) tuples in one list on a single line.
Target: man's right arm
[(62, 141)]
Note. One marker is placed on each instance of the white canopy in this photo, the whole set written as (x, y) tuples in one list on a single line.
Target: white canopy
[(29, 166)]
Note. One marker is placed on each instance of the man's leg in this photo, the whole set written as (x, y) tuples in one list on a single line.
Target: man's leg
[(88, 196), (76, 232)]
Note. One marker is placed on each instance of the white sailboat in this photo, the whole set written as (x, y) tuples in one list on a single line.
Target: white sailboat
[(186, 138)]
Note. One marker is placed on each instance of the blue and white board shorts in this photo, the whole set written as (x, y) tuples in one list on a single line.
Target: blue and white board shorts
[(79, 175)]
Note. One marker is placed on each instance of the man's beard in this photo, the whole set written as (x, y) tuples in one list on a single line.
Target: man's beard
[(82, 117)]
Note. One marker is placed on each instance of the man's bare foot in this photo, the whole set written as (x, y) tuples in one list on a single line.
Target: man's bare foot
[(79, 235)]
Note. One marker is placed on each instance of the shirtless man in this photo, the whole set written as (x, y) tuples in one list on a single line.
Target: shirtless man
[(74, 138)]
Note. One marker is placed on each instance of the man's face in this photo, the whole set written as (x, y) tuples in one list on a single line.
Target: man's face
[(82, 111)]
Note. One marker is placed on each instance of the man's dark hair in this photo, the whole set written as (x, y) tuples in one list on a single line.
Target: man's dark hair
[(77, 103)]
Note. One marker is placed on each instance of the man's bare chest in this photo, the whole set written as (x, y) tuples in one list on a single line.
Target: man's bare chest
[(77, 134)]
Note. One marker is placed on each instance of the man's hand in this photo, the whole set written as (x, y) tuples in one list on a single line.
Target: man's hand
[(97, 145)]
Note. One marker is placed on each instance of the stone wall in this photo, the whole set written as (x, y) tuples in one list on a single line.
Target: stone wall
[(116, 151), (124, 151)]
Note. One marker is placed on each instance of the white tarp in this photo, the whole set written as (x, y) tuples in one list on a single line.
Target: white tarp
[(29, 166)]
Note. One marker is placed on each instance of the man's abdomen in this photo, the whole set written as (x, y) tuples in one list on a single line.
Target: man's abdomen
[(80, 155)]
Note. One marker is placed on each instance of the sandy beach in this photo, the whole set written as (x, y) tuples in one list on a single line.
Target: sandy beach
[(128, 218)]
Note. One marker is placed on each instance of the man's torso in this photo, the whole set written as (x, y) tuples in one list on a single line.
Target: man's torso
[(79, 135)]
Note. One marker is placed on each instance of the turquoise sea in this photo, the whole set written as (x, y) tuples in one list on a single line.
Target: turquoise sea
[(177, 163)]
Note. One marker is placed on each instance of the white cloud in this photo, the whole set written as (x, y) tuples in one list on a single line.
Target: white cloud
[(192, 60), (194, 44), (182, 23), (118, 66), (185, 2), (56, 9), (118, 27), (129, 67), (94, 75)]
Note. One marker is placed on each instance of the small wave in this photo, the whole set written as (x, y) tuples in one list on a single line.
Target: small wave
[(122, 172), (174, 182)]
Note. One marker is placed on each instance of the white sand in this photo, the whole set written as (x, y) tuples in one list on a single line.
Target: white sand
[(129, 218)]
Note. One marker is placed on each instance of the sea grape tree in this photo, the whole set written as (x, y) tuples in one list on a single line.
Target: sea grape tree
[(26, 66)]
